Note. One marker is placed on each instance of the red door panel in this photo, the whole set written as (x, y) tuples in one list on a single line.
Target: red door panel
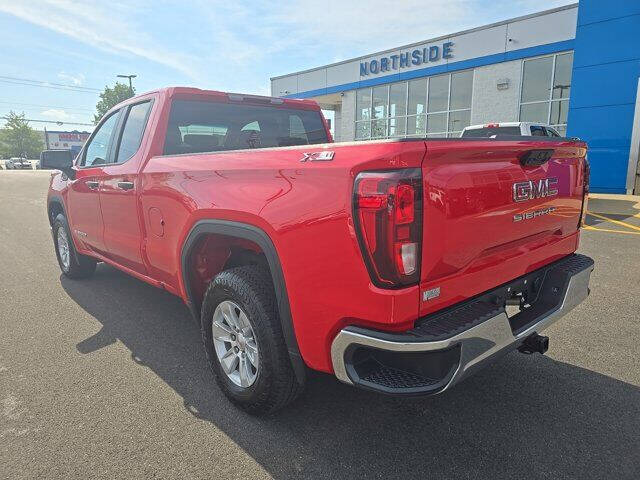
[(83, 205), (122, 232)]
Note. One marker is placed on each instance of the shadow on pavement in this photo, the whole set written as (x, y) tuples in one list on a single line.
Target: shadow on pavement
[(525, 417), (616, 208)]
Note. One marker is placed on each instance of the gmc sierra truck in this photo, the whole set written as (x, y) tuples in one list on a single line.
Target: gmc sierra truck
[(399, 266)]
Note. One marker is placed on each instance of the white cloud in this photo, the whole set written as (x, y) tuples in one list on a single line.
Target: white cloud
[(340, 29), (56, 114), (222, 43), (72, 79), (108, 27)]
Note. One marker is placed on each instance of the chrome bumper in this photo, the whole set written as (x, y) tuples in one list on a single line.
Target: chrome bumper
[(488, 336)]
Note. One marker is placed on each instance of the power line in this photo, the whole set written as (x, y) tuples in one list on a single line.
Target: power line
[(77, 87), (52, 121), (46, 106), (9, 82), (41, 84)]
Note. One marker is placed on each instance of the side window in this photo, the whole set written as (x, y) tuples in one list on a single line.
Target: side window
[(552, 133), (538, 131), (132, 132), (251, 126), (98, 147)]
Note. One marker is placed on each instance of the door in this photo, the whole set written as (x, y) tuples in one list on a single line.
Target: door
[(83, 202), (119, 191)]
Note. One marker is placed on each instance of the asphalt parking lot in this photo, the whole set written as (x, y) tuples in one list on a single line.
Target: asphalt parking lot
[(106, 378)]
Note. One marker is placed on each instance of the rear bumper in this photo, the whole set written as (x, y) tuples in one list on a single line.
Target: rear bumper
[(444, 348)]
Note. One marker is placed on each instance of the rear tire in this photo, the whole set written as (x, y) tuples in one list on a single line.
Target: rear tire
[(244, 296), (72, 263)]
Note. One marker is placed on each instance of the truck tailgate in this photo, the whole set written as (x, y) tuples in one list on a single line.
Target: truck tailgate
[(491, 216)]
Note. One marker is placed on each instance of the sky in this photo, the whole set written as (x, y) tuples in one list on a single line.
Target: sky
[(216, 44)]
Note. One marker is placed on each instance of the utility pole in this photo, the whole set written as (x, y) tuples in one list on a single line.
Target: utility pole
[(130, 84)]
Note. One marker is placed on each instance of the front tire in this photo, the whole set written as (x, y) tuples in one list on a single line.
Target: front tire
[(72, 263), (243, 339)]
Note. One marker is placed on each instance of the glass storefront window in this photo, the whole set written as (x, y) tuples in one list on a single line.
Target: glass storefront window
[(436, 122), (438, 98), (559, 111), (379, 101), (397, 126), (363, 130), (363, 104), (417, 96), (461, 85), (546, 86), (536, 79), (398, 99), (458, 120), (379, 128), (535, 112), (416, 125), (562, 76), (400, 109)]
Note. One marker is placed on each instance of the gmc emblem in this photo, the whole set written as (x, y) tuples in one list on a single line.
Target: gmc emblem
[(546, 187)]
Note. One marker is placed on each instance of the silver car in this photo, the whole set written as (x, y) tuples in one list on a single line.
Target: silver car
[(17, 163)]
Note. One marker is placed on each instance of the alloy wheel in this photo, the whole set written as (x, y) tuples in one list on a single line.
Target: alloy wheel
[(235, 343)]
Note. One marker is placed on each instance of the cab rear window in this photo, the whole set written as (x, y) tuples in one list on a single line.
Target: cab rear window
[(198, 126)]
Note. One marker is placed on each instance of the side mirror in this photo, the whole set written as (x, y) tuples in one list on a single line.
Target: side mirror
[(57, 160)]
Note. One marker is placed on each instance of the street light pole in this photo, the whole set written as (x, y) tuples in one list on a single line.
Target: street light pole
[(130, 84)]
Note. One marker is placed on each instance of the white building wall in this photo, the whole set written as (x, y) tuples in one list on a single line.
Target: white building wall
[(337, 124), (504, 37), (489, 104), (348, 117)]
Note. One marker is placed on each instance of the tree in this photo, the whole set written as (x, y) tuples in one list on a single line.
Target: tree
[(18, 139), (112, 96)]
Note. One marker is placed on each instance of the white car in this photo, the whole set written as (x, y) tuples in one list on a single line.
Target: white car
[(17, 163), (526, 129)]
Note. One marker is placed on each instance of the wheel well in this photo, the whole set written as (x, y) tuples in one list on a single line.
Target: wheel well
[(214, 253), (213, 245), (55, 208)]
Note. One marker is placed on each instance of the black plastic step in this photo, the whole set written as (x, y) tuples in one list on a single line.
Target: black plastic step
[(449, 323), (548, 283), (393, 378)]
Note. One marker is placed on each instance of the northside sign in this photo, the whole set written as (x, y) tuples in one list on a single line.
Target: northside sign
[(406, 59)]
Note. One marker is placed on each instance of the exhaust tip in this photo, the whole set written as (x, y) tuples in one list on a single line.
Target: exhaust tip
[(534, 343)]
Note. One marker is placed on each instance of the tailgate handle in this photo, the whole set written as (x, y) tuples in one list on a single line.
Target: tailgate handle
[(535, 158)]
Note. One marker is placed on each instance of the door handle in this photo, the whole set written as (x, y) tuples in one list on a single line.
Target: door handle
[(92, 184), (125, 185)]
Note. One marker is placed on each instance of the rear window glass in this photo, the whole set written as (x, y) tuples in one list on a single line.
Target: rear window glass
[(491, 131), (197, 126)]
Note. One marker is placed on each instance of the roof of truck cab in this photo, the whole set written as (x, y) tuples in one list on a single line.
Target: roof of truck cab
[(172, 91), (186, 91)]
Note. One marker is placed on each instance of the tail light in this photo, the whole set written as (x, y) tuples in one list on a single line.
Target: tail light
[(388, 219), (585, 190)]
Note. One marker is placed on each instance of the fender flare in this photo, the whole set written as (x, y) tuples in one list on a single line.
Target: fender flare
[(55, 199), (258, 236)]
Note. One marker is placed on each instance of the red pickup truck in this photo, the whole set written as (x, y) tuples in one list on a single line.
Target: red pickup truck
[(399, 266)]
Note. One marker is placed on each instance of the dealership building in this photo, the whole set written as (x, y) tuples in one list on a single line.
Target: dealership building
[(576, 68)]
